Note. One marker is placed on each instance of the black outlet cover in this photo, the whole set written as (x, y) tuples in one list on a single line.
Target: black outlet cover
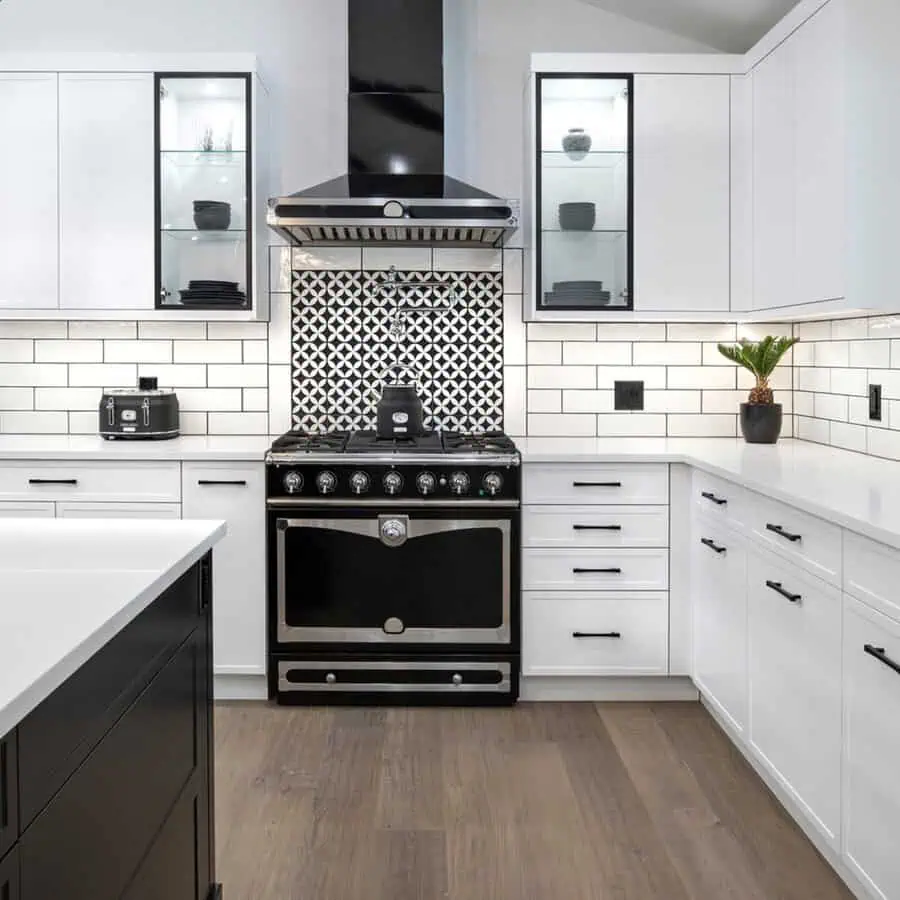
[(629, 395), (875, 402)]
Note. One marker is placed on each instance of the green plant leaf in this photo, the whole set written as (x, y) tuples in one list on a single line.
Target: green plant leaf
[(761, 357)]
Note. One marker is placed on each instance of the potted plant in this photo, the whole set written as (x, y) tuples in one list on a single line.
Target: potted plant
[(761, 416)]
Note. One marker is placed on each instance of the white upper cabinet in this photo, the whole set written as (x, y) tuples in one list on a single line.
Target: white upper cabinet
[(682, 148), (28, 191), (106, 206)]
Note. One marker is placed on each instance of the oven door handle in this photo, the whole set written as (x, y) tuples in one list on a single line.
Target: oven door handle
[(415, 528)]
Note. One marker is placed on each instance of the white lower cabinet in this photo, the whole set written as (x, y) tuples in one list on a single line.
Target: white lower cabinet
[(236, 493), (719, 617), (12, 510), (795, 685), (118, 511), (871, 763)]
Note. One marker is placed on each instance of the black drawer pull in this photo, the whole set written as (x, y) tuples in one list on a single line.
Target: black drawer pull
[(777, 587), (719, 501), (597, 527), (614, 571), (882, 657), (596, 634), (53, 481), (777, 529), (207, 481), (611, 484), (708, 542)]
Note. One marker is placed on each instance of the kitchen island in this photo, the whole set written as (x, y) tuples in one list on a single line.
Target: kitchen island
[(105, 709)]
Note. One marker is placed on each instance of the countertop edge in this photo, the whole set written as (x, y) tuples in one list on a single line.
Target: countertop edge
[(40, 689)]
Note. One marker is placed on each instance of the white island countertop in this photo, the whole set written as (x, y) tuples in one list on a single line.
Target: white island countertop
[(68, 586), (861, 493), (188, 447)]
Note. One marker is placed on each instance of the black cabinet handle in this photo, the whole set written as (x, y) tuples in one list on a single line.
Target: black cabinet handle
[(708, 542), (596, 634), (777, 587), (719, 501), (596, 571), (53, 481), (609, 484), (207, 481), (597, 527), (4, 787), (777, 529), (882, 657)]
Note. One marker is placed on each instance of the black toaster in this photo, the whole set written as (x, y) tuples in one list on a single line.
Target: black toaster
[(143, 413)]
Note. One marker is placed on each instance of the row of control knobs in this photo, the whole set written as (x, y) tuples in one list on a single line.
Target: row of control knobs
[(426, 483)]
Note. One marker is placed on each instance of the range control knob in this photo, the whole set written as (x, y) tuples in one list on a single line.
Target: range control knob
[(293, 482), (393, 482), (426, 483), (359, 482), (326, 482), (459, 483), (492, 483)]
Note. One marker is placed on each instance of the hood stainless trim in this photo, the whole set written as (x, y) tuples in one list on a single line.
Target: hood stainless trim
[(508, 460)]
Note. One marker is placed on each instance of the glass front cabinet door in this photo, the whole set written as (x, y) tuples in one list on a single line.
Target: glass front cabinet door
[(203, 191), (583, 206)]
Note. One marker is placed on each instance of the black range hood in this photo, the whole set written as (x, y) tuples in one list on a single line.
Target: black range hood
[(395, 190)]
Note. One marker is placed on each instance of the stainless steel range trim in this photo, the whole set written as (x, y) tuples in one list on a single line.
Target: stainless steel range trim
[(503, 686), (385, 502), (394, 459), (372, 528)]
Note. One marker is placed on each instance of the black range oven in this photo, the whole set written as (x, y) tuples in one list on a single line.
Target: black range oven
[(400, 584)]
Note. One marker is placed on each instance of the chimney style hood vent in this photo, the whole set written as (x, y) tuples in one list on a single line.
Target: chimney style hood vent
[(395, 191)]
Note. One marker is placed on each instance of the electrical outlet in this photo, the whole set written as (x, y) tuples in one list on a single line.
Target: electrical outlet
[(629, 395), (875, 402)]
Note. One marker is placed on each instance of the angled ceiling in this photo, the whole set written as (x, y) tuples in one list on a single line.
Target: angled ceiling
[(732, 26)]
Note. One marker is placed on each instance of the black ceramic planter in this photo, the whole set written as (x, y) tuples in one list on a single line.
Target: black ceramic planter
[(761, 422)]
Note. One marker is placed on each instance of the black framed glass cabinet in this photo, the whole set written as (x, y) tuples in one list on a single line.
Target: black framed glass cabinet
[(582, 217)]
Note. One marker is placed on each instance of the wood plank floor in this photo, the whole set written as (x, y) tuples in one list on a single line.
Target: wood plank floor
[(540, 802)]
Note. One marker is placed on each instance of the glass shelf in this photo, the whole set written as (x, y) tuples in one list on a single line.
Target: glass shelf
[(206, 234), (602, 234)]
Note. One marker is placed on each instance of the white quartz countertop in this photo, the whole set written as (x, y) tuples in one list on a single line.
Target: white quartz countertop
[(67, 586), (69, 447), (861, 493)]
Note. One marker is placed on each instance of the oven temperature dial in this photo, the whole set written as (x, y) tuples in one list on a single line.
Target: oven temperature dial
[(492, 483), (393, 482), (293, 482), (459, 483), (326, 482), (359, 482), (426, 484)]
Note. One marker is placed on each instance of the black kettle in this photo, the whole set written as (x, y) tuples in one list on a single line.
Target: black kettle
[(399, 412)]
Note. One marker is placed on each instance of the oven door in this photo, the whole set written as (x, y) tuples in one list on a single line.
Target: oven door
[(404, 577)]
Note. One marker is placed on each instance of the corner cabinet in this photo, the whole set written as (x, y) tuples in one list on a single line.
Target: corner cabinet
[(117, 179), (631, 181)]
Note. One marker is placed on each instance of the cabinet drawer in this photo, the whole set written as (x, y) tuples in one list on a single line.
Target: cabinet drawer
[(146, 482), (595, 570), (872, 573), (639, 484), (595, 634), (806, 540), (565, 527), (720, 499)]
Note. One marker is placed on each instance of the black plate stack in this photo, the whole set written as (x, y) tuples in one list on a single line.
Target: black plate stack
[(213, 293), (577, 293)]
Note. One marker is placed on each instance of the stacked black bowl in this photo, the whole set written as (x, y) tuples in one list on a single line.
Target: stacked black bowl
[(577, 293), (213, 293), (212, 215)]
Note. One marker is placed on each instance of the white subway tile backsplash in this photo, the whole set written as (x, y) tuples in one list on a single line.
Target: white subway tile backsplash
[(91, 330), (32, 329), (545, 401), (550, 425), (553, 331), (587, 401), (195, 423), (238, 422), (654, 377), (102, 375), (882, 327), (813, 331), (163, 331), (137, 351), (831, 406), (16, 398), (256, 351), (814, 379), (853, 382), (631, 331), (22, 422), (804, 354), (326, 258), (889, 379), (712, 356), (208, 352), (237, 376), (455, 259), (562, 377), (649, 353), (703, 426), (83, 422), (723, 333), (631, 425), (280, 329), (17, 350), (409, 259), (848, 437), (672, 401), (515, 400), (255, 399), (882, 442), (235, 331), (67, 398), (514, 340), (890, 415), (723, 402), (832, 353), (756, 331), (545, 353), (607, 353), (804, 403), (33, 375), (174, 376), (512, 271), (870, 354), (279, 399), (849, 329), (67, 351), (211, 400), (816, 430), (858, 411), (702, 377)]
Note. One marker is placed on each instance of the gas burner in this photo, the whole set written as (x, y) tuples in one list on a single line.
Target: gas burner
[(488, 442), (368, 442), (307, 442)]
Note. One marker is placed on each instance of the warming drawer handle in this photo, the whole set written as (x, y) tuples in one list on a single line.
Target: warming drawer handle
[(719, 501), (603, 484), (596, 634), (206, 482), (779, 530), (779, 589), (881, 655), (597, 527), (71, 481), (612, 571), (708, 542)]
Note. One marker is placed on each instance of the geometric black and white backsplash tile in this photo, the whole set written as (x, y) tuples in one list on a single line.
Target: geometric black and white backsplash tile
[(348, 332)]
